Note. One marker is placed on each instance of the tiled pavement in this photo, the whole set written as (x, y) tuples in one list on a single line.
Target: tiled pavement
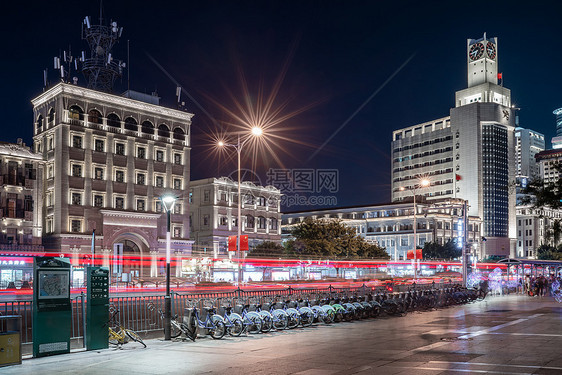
[(501, 335)]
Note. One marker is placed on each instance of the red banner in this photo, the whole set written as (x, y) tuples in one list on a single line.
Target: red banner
[(244, 243), (231, 243), (410, 254)]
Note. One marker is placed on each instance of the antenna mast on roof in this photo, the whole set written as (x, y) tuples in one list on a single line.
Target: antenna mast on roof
[(100, 69)]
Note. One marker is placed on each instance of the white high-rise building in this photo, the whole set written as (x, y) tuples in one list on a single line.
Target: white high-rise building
[(528, 143), (469, 154)]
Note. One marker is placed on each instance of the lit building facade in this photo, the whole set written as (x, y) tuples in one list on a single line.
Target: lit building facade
[(391, 225), (214, 214), (535, 227), (468, 155), (21, 209), (557, 140), (548, 160), (108, 159)]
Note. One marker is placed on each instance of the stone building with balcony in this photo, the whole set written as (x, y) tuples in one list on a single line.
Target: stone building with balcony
[(214, 214), (108, 161), (391, 226), (21, 208)]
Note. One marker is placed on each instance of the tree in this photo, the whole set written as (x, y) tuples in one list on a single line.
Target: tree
[(433, 250), (330, 238), (541, 194), (267, 249)]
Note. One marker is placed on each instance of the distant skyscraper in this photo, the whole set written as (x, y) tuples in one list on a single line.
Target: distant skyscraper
[(469, 154), (557, 140), (528, 143)]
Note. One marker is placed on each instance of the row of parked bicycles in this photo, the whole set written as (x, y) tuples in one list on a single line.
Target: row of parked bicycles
[(234, 317)]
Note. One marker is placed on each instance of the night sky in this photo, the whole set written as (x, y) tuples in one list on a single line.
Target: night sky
[(329, 57)]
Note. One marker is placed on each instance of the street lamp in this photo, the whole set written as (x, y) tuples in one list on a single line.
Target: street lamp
[(422, 183), (256, 132), (168, 201)]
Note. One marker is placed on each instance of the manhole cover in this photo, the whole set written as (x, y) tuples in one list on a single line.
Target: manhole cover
[(498, 310), (455, 339)]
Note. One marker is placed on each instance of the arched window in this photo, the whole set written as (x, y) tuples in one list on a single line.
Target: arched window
[(131, 124), (250, 222), (179, 134), (75, 113), (39, 123), (94, 116), (261, 222), (51, 115), (261, 201), (113, 120), (163, 130), (273, 223), (147, 127)]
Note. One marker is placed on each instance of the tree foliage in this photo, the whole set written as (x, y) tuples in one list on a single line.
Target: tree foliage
[(332, 239), (433, 250), (267, 249), (547, 252), (541, 194)]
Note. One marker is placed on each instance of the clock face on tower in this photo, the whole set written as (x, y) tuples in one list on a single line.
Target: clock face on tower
[(476, 51), (491, 50)]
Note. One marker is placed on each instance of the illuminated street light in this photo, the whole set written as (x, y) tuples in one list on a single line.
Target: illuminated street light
[(256, 132), (168, 201), (422, 183)]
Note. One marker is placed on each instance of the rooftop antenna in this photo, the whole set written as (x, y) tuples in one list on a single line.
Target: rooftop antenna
[(99, 67)]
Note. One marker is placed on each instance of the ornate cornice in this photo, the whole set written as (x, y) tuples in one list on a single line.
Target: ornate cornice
[(110, 99), (127, 219)]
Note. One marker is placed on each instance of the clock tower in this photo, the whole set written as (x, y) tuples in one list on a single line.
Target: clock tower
[(482, 60)]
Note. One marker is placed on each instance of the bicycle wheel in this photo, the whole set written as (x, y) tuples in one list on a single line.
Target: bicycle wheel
[(134, 336), (294, 321), (236, 327), (113, 337), (267, 325), (189, 333), (219, 329), (254, 322), (175, 329), (280, 320)]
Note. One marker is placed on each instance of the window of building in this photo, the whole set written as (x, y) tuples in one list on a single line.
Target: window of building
[(76, 198), (76, 225), (50, 171), (49, 227), (50, 144), (177, 232), (250, 222), (160, 155), (98, 200), (205, 220), (119, 203), (76, 170), (158, 207), (99, 145), (223, 220), (141, 179), (206, 196), (177, 208), (119, 148), (261, 222), (273, 224), (38, 147), (177, 158), (403, 242), (177, 183), (49, 199), (119, 176), (77, 141), (141, 152), (261, 201), (98, 173), (141, 204), (159, 181)]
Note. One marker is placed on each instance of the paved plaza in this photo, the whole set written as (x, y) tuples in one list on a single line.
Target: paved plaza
[(511, 334)]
